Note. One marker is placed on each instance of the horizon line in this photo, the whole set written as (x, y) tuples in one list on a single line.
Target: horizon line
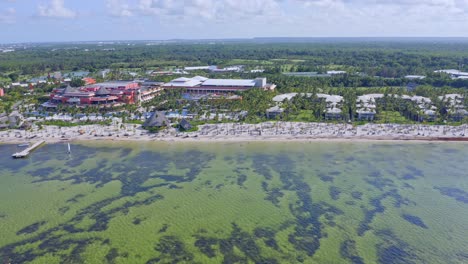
[(239, 39)]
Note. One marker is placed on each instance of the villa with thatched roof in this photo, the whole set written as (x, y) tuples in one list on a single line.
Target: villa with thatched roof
[(185, 125), (157, 120)]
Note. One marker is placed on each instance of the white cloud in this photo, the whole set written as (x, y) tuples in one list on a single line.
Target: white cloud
[(220, 10), (56, 9), (119, 8), (8, 16)]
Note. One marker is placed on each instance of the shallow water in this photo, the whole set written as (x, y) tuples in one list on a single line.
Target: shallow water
[(235, 203)]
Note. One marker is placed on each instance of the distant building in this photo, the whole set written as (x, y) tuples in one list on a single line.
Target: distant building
[(257, 71), (307, 74), (274, 112), (76, 74), (237, 68), (214, 68), (104, 73), (415, 77), (17, 84), (454, 73), (199, 84), (335, 72), (57, 75), (89, 81), (2, 92), (200, 68)]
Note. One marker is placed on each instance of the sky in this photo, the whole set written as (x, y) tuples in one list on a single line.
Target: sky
[(90, 20)]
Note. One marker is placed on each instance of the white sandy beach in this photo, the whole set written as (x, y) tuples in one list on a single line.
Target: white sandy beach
[(269, 131)]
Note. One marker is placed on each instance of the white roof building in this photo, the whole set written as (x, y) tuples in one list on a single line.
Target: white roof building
[(229, 82), (183, 82), (453, 73), (199, 68), (415, 77), (203, 84), (336, 72), (280, 98)]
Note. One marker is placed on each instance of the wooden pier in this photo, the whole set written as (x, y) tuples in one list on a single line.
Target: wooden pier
[(26, 152)]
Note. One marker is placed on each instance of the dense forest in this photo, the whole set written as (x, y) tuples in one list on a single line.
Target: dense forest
[(383, 59)]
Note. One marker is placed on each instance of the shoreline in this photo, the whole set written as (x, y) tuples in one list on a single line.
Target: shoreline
[(235, 132)]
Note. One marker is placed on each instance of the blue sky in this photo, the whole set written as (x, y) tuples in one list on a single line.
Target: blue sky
[(76, 20)]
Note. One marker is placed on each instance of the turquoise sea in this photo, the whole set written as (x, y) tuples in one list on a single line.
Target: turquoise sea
[(297, 202)]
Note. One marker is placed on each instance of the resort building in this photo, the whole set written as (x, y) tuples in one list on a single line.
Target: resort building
[(199, 84), (366, 106), (427, 108), (104, 95), (455, 106), (333, 104)]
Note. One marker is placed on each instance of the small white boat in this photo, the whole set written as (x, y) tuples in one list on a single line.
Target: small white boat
[(23, 145), (69, 149)]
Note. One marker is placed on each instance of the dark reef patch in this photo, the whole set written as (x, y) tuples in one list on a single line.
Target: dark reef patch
[(348, 251), (241, 178), (31, 228), (172, 250), (380, 183), (42, 172), (414, 220), (334, 192), (112, 255), (241, 241), (163, 228), (450, 151), (205, 245), (63, 210), (137, 221), (356, 195), (274, 195), (268, 235), (415, 171), (394, 250), (457, 194), (75, 198), (379, 208), (325, 178)]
